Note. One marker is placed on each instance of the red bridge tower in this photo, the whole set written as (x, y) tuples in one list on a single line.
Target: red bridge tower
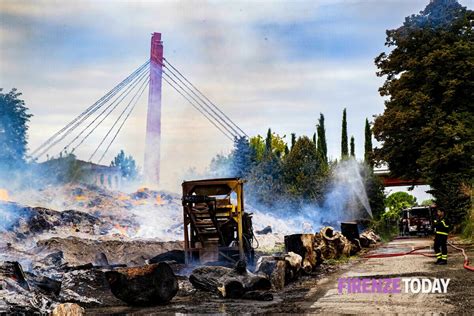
[(153, 126)]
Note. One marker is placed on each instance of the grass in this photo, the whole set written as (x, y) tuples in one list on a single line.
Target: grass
[(468, 226), (386, 230), (341, 260)]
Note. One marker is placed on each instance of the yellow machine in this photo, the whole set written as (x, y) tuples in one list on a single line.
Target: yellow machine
[(216, 228)]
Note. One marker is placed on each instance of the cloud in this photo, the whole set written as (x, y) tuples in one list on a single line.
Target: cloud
[(267, 64)]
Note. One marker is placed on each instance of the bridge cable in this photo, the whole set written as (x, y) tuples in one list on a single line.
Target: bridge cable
[(223, 125), (205, 104), (198, 109), (205, 97), (87, 113), (120, 98), (83, 118), (123, 122), (140, 85)]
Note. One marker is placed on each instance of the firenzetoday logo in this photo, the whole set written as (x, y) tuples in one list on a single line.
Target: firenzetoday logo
[(392, 285)]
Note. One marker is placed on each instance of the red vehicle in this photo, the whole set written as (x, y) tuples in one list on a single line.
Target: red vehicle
[(417, 220)]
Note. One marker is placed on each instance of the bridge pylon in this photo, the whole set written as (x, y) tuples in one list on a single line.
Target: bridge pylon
[(153, 125)]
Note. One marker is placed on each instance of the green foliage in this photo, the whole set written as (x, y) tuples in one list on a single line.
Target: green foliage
[(399, 200), (278, 145), (468, 225), (387, 229), (428, 202), (264, 180), (344, 144), (13, 130), (396, 202), (127, 165), (258, 146), (375, 192), (301, 170), (322, 146), (426, 129), (243, 157), (268, 142), (274, 144), (352, 147), (368, 151), (293, 139)]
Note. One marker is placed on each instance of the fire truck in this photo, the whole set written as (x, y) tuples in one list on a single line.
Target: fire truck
[(417, 220)]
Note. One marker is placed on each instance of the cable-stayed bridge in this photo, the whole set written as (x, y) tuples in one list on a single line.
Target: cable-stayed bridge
[(120, 103)]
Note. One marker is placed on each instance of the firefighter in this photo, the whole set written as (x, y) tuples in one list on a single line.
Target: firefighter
[(441, 237)]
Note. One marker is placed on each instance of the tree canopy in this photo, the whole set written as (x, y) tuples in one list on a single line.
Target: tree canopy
[(368, 150), (322, 146), (127, 165), (344, 142), (14, 118), (426, 130)]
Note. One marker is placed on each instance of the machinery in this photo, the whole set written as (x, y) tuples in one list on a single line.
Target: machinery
[(216, 227), (417, 221)]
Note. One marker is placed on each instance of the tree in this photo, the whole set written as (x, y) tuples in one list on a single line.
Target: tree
[(368, 151), (352, 147), (301, 171), (268, 143), (426, 129), (314, 139), (322, 146), (344, 145), (126, 164), (293, 140), (398, 201), (375, 192), (273, 144), (428, 202), (258, 146), (243, 157), (13, 130)]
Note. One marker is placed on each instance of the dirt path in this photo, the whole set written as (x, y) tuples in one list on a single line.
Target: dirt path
[(324, 298), (318, 294)]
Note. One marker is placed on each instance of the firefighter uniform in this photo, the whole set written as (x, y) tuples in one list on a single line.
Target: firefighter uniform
[(441, 238)]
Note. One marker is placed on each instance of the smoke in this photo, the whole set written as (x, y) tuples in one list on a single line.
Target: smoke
[(345, 199), (164, 222)]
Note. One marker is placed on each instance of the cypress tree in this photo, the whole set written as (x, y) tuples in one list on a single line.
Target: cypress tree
[(293, 140), (314, 138), (322, 146), (268, 142), (344, 144), (352, 147), (368, 151)]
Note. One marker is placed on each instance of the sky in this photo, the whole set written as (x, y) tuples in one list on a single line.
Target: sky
[(267, 64)]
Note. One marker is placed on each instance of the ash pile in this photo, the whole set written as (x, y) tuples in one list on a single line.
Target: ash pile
[(93, 254)]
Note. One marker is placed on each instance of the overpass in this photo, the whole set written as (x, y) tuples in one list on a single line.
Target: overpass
[(390, 181)]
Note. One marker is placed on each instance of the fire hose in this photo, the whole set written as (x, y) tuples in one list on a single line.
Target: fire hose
[(414, 252), (399, 254), (466, 259)]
